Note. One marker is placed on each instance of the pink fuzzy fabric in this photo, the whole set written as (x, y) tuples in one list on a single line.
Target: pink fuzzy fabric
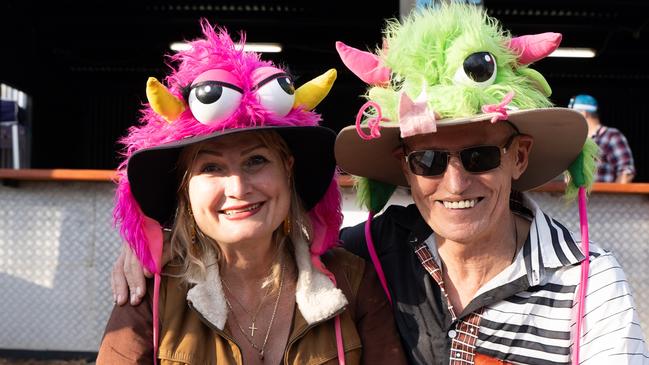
[(326, 219), (215, 51)]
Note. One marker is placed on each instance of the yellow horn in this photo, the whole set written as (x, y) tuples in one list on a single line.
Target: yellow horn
[(162, 101), (313, 92)]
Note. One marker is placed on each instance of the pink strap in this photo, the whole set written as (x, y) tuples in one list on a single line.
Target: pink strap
[(375, 257), (583, 223), (315, 259), (499, 108), (156, 322), (339, 341), (372, 123)]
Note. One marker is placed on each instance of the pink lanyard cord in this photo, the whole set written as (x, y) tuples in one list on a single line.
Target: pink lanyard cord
[(375, 258), (585, 247), (156, 322)]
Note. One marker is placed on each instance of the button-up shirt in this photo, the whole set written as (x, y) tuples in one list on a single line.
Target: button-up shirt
[(525, 314), (616, 157)]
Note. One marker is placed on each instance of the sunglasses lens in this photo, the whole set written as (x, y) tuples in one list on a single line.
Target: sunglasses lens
[(428, 163), (480, 159)]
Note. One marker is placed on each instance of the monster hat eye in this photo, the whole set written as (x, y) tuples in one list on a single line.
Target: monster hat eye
[(214, 96), (478, 69), (213, 101), (277, 94)]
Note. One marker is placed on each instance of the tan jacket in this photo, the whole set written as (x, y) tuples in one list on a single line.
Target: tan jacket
[(193, 320)]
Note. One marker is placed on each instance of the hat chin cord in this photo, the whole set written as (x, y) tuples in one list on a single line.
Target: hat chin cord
[(375, 258), (585, 265)]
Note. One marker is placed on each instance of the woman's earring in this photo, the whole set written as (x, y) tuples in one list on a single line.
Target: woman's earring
[(287, 226), (193, 226)]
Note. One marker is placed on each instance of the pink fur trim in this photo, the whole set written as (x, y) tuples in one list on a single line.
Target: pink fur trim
[(326, 219), (128, 216), (533, 47), (215, 50)]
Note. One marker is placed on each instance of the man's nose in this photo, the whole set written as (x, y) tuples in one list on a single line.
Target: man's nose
[(456, 178)]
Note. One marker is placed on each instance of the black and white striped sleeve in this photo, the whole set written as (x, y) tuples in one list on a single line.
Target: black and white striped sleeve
[(611, 332)]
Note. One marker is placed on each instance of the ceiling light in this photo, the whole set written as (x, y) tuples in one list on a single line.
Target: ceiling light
[(248, 47), (573, 52)]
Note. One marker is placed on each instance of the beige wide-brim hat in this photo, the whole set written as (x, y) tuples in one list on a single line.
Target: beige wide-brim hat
[(559, 136)]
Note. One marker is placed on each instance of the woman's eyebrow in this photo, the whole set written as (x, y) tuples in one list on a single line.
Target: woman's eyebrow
[(208, 151), (248, 150)]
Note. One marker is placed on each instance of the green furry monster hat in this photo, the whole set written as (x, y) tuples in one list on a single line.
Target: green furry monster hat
[(455, 65)]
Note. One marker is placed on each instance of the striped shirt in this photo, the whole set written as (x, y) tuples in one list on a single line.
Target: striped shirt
[(536, 325)]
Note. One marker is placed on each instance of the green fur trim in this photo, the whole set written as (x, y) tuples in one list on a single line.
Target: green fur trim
[(430, 46), (372, 194), (541, 83), (582, 171)]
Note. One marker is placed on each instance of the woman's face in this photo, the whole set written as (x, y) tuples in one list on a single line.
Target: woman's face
[(239, 189)]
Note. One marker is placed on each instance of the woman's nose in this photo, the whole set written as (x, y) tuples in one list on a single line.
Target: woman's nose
[(236, 185)]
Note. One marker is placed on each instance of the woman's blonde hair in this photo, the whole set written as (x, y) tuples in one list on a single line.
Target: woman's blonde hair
[(196, 251)]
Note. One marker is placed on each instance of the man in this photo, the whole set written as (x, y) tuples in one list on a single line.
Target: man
[(616, 160), (476, 272)]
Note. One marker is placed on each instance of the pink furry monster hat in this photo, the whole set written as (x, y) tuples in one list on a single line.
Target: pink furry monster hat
[(215, 89)]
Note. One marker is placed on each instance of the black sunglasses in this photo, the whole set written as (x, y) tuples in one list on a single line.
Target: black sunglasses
[(475, 160)]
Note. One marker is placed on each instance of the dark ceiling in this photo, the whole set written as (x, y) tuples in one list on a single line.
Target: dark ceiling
[(85, 64)]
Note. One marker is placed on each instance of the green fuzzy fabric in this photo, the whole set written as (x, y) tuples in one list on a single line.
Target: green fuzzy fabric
[(425, 51), (372, 194), (428, 47), (582, 171)]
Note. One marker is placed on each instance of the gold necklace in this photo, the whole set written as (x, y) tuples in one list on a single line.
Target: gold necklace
[(252, 327), (260, 350), (515, 241)]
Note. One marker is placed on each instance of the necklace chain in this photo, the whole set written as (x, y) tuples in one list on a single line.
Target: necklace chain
[(260, 350), (515, 241), (252, 327)]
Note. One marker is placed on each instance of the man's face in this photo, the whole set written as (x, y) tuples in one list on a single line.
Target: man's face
[(459, 205)]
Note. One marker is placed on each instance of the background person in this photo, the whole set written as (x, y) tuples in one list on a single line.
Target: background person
[(615, 159)]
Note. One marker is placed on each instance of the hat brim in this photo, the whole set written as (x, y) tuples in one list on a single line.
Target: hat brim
[(559, 136), (153, 177)]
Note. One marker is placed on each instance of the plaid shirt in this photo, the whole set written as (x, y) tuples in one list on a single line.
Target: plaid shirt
[(615, 157)]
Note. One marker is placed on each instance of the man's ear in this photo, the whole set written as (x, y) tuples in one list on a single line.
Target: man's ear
[(521, 151), (398, 154)]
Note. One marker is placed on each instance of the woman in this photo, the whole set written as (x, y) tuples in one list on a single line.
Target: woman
[(232, 160)]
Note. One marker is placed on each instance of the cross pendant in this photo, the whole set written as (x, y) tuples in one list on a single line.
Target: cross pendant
[(252, 329)]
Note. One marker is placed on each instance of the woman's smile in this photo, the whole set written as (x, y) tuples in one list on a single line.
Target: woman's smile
[(241, 211)]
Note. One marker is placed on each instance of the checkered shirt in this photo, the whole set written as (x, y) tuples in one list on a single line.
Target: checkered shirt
[(615, 154)]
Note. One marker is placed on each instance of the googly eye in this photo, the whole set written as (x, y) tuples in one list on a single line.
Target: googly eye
[(213, 101), (478, 69), (277, 94)]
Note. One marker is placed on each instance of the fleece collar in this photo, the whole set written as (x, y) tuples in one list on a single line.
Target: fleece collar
[(316, 296)]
